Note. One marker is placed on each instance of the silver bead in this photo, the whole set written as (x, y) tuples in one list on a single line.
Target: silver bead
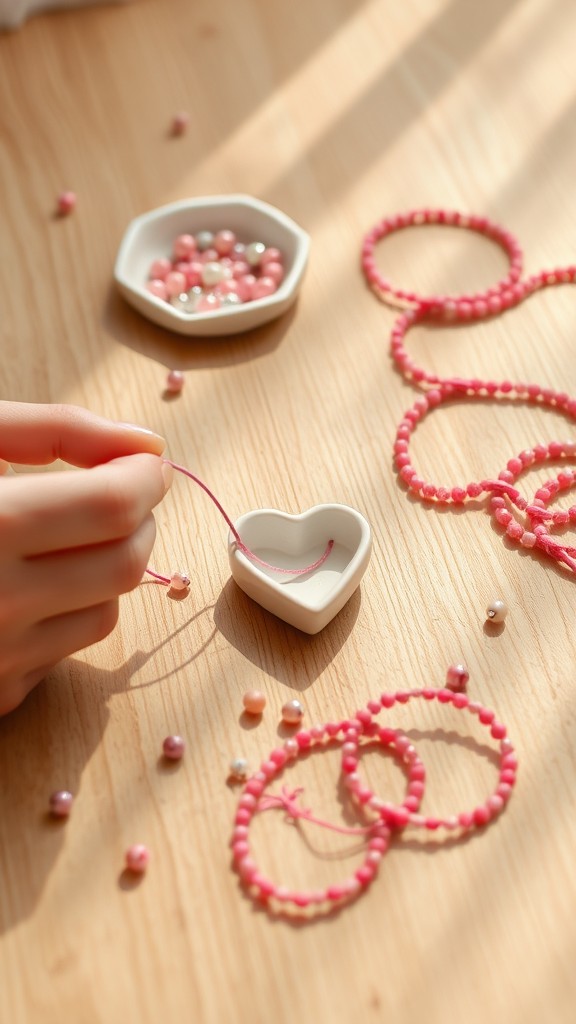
[(204, 240)]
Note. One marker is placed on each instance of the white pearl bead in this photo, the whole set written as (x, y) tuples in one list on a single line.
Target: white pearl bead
[(497, 610), (254, 252), (212, 273), (292, 712), (239, 767)]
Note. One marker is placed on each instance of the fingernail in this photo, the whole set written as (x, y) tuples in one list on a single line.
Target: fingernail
[(168, 474), (140, 430)]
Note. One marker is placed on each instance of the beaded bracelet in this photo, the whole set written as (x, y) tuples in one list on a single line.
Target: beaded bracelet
[(253, 800), (400, 816), (508, 292), (478, 303)]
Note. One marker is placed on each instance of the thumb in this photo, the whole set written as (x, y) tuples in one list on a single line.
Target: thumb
[(38, 434)]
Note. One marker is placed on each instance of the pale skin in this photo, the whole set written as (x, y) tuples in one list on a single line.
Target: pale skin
[(71, 542)]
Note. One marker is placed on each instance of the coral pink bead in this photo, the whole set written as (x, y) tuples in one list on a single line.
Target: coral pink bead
[(180, 122), (157, 288), (137, 858), (60, 803), (184, 246), (179, 581), (65, 203), (175, 381), (175, 282), (254, 702), (224, 242), (173, 748), (457, 677), (263, 287), (208, 304), (275, 271), (159, 269)]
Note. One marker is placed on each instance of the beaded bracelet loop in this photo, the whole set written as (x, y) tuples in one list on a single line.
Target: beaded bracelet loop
[(477, 303), (400, 816), (377, 834)]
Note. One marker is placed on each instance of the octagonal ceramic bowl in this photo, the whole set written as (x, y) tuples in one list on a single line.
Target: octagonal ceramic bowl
[(151, 236)]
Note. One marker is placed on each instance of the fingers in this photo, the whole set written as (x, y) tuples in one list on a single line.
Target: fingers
[(51, 512), (57, 584), (50, 642), (33, 434)]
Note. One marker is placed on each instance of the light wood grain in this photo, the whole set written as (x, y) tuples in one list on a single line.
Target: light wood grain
[(338, 112)]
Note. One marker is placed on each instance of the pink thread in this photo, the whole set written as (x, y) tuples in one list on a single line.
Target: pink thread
[(288, 799), (458, 309), (241, 545)]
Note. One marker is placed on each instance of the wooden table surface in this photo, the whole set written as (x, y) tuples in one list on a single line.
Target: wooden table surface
[(338, 112)]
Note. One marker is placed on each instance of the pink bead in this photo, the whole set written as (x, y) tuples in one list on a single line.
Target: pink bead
[(157, 288), (263, 287), (184, 246), (65, 203), (292, 712), (179, 581), (175, 283), (457, 677), (137, 858), (208, 304), (60, 803), (175, 381), (180, 122), (275, 271), (173, 748), (159, 269), (224, 242), (271, 255), (254, 702)]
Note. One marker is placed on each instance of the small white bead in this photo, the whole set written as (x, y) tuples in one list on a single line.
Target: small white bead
[(239, 767), (497, 610), (212, 273), (254, 252), (292, 712)]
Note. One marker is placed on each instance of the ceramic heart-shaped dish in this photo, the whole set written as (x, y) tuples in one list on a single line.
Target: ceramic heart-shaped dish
[(311, 600)]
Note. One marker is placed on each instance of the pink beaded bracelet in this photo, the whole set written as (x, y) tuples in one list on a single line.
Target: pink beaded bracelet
[(446, 305), (510, 291), (377, 834), (406, 813)]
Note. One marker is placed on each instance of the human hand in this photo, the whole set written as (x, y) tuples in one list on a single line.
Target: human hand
[(70, 541)]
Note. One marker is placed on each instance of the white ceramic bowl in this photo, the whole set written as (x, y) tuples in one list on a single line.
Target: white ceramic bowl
[(311, 600), (151, 236)]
